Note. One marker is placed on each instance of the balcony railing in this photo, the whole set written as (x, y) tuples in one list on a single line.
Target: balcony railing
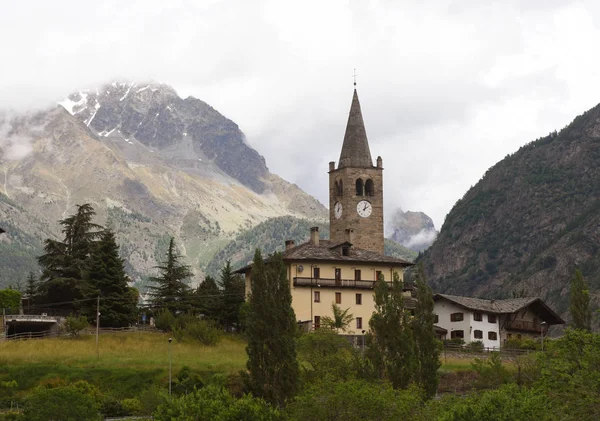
[(339, 283), (524, 325)]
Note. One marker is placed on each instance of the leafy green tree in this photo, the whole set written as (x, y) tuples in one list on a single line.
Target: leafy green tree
[(390, 345), (354, 400), (570, 373), (427, 346), (324, 355), (216, 404), (64, 403), (507, 403), (271, 330), (207, 298), (340, 321), (232, 286), (169, 290), (10, 299), (580, 303), (105, 277), (64, 262)]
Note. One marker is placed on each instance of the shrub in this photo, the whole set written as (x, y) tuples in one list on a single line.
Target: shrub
[(74, 325), (61, 403), (132, 406), (12, 416), (150, 399), (164, 320), (491, 371), (475, 346), (201, 331)]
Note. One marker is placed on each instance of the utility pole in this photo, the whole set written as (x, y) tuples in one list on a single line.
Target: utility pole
[(170, 339), (97, 326)]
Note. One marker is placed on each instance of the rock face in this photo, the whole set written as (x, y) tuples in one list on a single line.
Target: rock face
[(414, 230), (187, 130), (529, 222), (151, 164)]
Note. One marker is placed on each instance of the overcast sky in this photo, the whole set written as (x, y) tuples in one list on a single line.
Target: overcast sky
[(447, 88)]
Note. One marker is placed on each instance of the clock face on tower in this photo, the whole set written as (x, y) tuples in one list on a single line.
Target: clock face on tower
[(337, 210), (364, 208)]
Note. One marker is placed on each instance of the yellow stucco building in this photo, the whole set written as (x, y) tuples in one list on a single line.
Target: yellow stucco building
[(343, 269)]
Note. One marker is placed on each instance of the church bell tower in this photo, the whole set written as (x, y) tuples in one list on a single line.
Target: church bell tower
[(356, 189)]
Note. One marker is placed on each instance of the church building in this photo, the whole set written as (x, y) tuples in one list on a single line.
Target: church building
[(344, 268)]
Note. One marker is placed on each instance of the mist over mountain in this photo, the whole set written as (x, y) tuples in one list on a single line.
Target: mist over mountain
[(413, 230), (152, 165)]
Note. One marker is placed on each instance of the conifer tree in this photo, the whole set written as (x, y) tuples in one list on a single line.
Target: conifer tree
[(427, 346), (169, 290), (579, 307), (31, 288), (271, 329), (232, 287), (207, 298), (106, 278), (391, 347), (64, 261)]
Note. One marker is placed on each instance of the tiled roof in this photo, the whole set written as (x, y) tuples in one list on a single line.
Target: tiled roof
[(329, 250), (491, 306), (506, 306)]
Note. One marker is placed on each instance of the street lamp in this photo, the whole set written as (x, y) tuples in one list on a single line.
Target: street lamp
[(170, 340), (543, 324), (363, 343)]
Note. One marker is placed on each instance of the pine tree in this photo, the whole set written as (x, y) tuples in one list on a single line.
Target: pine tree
[(271, 329), (391, 346), (427, 346), (170, 291), (31, 288), (232, 286), (207, 298), (579, 307), (105, 276), (64, 261)]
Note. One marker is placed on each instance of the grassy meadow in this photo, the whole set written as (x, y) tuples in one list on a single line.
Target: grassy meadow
[(128, 362)]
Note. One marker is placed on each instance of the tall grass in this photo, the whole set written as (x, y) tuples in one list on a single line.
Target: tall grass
[(128, 362)]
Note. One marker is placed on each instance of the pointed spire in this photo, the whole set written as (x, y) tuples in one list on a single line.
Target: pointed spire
[(355, 150)]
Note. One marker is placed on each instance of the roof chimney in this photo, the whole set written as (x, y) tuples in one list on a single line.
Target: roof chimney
[(289, 244), (350, 235), (331, 166), (314, 236)]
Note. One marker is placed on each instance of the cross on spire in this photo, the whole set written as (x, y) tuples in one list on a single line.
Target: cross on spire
[(354, 77)]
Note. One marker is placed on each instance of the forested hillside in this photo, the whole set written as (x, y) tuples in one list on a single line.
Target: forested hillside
[(527, 224), (270, 236)]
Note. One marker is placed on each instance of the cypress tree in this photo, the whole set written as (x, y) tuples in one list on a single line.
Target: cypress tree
[(427, 347), (579, 307), (391, 346), (170, 291), (232, 286), (271, 329), (106, 278)]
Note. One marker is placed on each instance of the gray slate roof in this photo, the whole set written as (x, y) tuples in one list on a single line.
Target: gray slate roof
[(355, 149), (329, 251), (506, 306)]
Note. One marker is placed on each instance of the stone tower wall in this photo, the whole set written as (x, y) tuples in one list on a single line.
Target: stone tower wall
[(368, 232)]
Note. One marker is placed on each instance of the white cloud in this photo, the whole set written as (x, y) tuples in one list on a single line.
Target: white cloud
[(447, 88)]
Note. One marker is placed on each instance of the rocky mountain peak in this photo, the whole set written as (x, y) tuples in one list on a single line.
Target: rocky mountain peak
[(414, 230), (154, 115)]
